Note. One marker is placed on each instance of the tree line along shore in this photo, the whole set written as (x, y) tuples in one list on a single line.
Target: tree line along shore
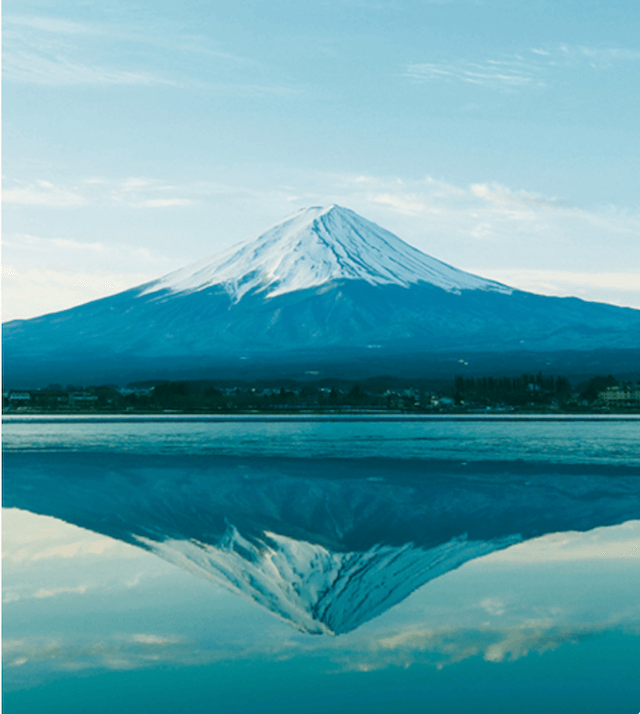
[(526, 393)]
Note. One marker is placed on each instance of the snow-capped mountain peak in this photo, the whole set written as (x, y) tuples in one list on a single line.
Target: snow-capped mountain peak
[(316, 246)]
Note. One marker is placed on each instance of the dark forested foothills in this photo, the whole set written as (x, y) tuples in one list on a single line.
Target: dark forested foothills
[(526, 393)]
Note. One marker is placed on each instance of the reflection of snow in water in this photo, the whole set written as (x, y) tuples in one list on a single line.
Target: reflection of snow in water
[(312, 588)]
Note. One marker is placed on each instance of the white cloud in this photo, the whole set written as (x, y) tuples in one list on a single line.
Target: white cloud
[(520, 237), (617, 288), (626, 281), (537, 68), (44, 558), (51, 274), (37, 291), (48, 27), (156, 639), (598, 57), (50, 51), (28, 538), (496, 193), (165, 202), (49, 24), (27, 67), (53, 52), (52, 592), (64, 247), (78, 549), (136, 192), (544, 244), (42, 193), (508, 74), (411, 204)]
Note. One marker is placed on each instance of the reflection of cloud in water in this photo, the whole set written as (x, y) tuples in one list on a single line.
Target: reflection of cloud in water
[(28, 538), (621, 542), (326, 545), (436, 647), (496, 626), (447, 646), (123, 652), (44, 557)]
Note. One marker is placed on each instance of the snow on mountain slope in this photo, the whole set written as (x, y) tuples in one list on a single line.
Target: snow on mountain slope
[(312, 588), (316, 246)]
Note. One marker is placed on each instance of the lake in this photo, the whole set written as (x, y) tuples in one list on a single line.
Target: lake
[(305, 564)]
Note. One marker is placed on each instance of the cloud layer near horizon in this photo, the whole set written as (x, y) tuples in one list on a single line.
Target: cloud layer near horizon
[(514, 236)]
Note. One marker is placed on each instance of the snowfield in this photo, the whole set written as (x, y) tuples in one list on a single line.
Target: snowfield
[(316, 246)]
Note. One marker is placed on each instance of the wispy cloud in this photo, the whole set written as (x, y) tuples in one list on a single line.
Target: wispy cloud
[(156, 639), (57, 52), (165, 202), (521, 237), (536, 67), (42, 193), (599, 57), (622, 288), (133, 192), (52, 592), (56, 71), (51, 51), (77, 549), (50, 27), (501, 195), (33, 291), (507, 74), (49, 24), (101, 251), (50, 274)]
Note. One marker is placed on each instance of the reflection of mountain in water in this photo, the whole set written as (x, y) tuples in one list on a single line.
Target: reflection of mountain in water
[(325, 545), (309, 586)]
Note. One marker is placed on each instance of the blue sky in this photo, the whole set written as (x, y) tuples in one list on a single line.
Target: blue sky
[(499, 136)]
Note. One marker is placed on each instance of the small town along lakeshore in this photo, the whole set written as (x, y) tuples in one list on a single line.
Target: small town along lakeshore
[(526, 395)]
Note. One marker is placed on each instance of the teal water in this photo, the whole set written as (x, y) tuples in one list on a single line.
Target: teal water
[(522, 538)]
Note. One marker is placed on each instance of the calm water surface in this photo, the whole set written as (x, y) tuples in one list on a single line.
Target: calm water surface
[(179, 564)]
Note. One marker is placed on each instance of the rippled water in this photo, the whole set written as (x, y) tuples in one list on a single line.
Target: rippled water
[(184, 564), (604, 440)]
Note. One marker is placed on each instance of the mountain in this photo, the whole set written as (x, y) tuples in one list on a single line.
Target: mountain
[(324, 287), (314, 247), (325, 545)]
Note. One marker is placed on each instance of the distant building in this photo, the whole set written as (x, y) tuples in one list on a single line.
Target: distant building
[(620, 395), (138, 391), (441, 401), (82, 398)]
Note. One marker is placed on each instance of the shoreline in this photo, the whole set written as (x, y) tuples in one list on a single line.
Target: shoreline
[(44, 417)]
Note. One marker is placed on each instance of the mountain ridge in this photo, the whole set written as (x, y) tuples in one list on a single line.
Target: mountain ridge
[(285, 296)]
